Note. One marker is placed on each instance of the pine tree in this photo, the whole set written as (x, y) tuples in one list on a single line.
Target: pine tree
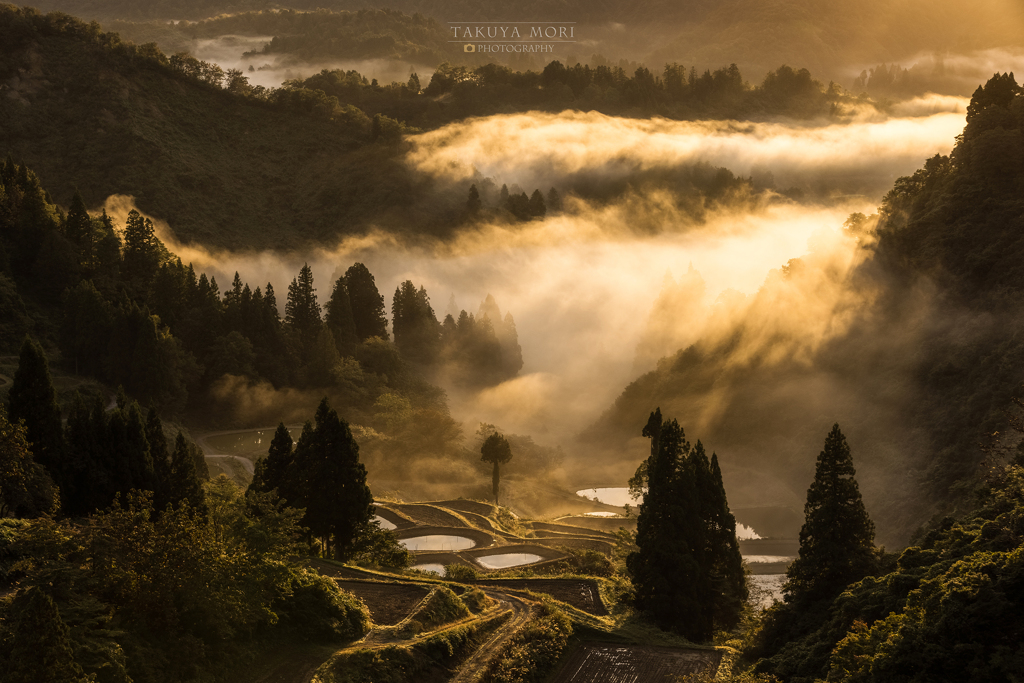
[(78, 229), (41, 648), (837, 538), (417, 332), (496, 450), (537, 209), (554, 203), (367, 303), (33, 399), (161, 458)]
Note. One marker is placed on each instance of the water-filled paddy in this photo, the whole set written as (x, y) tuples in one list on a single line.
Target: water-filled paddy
[(252, 443), (767, 588), (507, 560), (600, 514), (431, 567), (616, 495), (384, 524), (767, 558), (438, 542)]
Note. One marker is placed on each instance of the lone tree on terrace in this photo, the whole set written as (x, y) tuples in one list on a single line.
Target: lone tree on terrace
[(496, 449)]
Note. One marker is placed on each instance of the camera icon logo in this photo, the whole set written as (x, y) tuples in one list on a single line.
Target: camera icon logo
[(469, 48)]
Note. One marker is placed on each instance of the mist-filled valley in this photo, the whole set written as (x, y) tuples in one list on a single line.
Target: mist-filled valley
[(245, 240)]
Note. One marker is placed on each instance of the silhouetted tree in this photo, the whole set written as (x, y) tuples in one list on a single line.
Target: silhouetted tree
[(185, 485), (496, 450), (417, 332), (301, 311), (26, 489), (837, 538), (33, 399), (473, 203), (367, 303), (339, 318)]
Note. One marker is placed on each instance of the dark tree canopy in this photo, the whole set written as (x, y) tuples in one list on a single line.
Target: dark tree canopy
[(301, 311), (41, 649), (417, 332), (687, 572), (26, 489), (367, 303), (837, 538), (33, 399)]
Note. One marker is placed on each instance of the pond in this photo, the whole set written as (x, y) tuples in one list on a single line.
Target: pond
[(437, 542), (507, 560), (384, 524), (601, 514), (767, 559), (431, 567)]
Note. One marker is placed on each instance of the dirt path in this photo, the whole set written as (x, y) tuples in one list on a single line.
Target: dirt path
[(473, 668)]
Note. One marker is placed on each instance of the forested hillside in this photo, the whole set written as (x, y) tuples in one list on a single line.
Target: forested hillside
[(85, 110), (937, 300)]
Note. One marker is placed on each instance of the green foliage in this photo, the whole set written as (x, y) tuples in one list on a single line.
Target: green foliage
[(443, 606), (584, 561), (417, 332), (944, 610), (459, 572), (26, 489), (380, 547), (534, 651), (318, 609), (178, 596), (367, 303), (41, 646)]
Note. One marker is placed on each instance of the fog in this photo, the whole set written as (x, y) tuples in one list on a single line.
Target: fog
[(596, 304), (543, 150)]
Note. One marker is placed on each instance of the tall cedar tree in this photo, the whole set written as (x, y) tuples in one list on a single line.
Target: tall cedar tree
[(687, 572), (161, 458), (33, 399), (41, 647), (273, 471), (367, 303), (331, 481), (142, 254), (837, 538), (301, 310), (339, 319), (417, 332), (496, 450)]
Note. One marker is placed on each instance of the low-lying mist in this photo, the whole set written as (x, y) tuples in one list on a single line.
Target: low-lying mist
[(543, 150), (763, 295)]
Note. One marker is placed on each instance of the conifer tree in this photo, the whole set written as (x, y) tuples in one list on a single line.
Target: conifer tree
[(161, 458), (142, 253), (41, 647), (473, 203), (367, 303), (26, 490), (78, 229), (301, 311), (837, 538), (496, 450), (339, 318), (33, 399), (537, 209), (332, 481), (184, 484), (272, 471), (417, 332)]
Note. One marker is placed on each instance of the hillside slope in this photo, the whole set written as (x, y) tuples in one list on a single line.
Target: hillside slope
[(111, 118)]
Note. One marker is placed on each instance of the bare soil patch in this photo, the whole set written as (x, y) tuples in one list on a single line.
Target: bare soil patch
[(580, 593), (614, 663), (388, 603)]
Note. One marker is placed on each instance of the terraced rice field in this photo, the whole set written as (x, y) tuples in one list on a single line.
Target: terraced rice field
[(612, 663)]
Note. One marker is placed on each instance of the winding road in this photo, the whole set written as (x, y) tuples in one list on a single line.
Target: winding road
[(474, 667)]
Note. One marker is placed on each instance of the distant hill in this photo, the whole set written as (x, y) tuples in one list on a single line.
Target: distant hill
[(86, 110), (832, 39)]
